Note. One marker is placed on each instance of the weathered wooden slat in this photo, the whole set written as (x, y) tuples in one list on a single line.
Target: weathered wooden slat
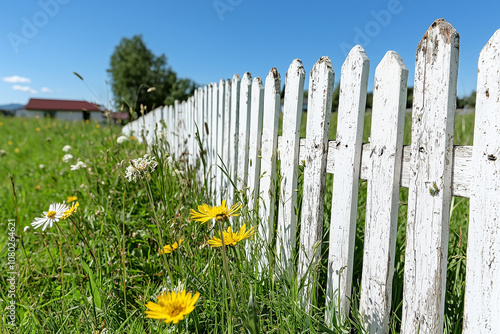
[(254, 142), (176, 150), (289, 154), (226, 141), (243, 131), (233, 136), (268, 165), (384, 172), (213, 137), (429, 198), (462, 172), (482, 294), (319, 108), (353, 84), (220, 140)]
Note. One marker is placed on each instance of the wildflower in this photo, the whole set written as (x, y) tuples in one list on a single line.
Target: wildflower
[(170, 248), (1, 123), (37, 129), (16, 150), (139, 167), (97, 126), (67, 157), (231, 238), (71, 199), (86, 121), (78, 165), (2, 153), (66, 148), (41, 166), (222, 212), (70, 211), (172, 306), (38, 187), (133, 138), (10, 142), (55, 213), (121, 139), (37, 117)]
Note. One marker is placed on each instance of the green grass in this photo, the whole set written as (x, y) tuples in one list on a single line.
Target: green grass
[(75, 280)]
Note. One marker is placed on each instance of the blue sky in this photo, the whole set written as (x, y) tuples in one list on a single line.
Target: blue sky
[(43, 42)]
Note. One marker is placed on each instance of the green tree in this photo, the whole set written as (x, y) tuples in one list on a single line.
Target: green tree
[(135, 70)]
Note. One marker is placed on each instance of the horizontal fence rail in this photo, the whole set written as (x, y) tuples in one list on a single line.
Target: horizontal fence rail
[(236, 122)]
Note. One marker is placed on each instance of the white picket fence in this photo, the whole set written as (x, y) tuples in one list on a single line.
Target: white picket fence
[(238, 123)]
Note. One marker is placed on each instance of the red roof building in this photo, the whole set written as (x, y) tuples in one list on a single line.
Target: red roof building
[(64, 109)]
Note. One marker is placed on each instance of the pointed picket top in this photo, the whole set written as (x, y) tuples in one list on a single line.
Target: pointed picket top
[(233, 135), (482, 294), (289, 156), (254, 141), (434, 99), (351, 116), (319, 108), (384, 168), (272, 103), (243, 131)]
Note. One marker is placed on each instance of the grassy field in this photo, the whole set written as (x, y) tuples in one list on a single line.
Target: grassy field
[(95, 272)]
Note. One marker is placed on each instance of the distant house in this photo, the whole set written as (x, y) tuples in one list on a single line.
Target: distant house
[(62, 109)]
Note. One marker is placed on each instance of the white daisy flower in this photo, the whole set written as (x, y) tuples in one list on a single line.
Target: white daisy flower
[(139, 167), (79, 165), (66, 148), (67, 157), (56, 211), (41, 166), (121, 139)]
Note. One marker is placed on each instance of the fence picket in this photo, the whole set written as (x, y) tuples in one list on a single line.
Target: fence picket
[(226, 140), (234, 135), (351, 116), (268, 164), (429, 198), (319, 109), (384, 171), (254, 142), (482, 294), (243, 131), (289, 156), (220, 139)]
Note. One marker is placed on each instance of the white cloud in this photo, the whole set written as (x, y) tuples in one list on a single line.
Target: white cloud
[(46, 90), (24, 89), (16, 79)]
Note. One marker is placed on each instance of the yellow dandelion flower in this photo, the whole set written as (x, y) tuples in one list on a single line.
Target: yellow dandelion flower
[(97, 126), (16, 150), (10, 142), (172, 306), (38, 187), (86, 121), (70, 211), (37, 117), (71, 199), (170, 248), (133, 138), (222, 212), (37, 129), (1, 123), (231, 238)]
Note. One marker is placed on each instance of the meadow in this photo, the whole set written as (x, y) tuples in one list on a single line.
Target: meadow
[(96, 271)]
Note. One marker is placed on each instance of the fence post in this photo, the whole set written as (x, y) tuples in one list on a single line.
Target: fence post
[(289, 156), (382, 203), (272, 103), (351, 116), (226, 148), (233, 136), (243, 128), (482, 293), (254, 142), (434, 99), (319, 110)]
